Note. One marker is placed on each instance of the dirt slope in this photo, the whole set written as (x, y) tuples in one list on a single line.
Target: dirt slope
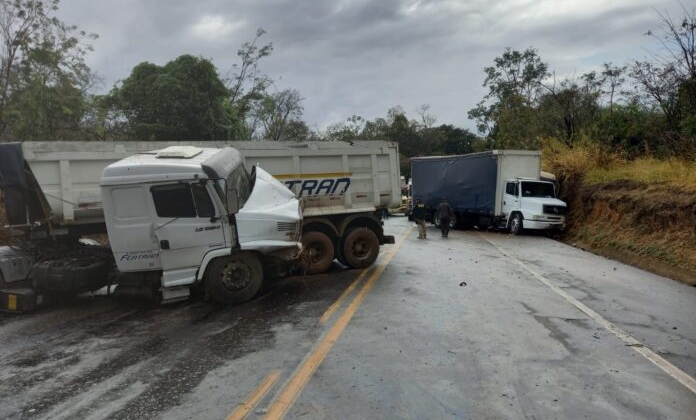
[(649, 226)]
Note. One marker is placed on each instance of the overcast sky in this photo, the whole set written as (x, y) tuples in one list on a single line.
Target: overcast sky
[(359, 57)]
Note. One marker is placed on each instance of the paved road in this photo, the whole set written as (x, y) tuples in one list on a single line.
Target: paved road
[(479, 325)]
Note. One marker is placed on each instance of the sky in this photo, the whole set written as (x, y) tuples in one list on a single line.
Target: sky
[(357, 57)]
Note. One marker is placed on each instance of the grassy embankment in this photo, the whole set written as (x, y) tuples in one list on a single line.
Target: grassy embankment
[(641, 212)]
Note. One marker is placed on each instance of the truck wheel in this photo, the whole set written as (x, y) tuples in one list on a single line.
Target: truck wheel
[(516, 224), (320, 249), (234, 279), (361, 248)]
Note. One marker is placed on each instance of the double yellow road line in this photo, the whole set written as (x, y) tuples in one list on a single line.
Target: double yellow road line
[(287, 396)]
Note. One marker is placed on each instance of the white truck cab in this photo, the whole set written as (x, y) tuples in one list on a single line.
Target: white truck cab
[(532, 204), (197, 215)]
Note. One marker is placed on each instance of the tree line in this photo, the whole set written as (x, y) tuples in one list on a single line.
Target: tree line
[(637, 108)]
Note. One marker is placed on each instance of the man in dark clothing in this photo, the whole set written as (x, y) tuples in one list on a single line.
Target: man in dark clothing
[(445, 214)]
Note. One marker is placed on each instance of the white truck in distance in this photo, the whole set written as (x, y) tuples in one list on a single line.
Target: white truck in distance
[(175, 218), (497, 188)]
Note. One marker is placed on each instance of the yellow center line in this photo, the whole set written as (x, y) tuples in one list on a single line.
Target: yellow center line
[(245, 407), (287, 396), (334, 306), (630, 341)]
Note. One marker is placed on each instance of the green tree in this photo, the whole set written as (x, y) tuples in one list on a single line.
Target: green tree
[(507, 112), (353, 128), (43, 76), (182, 100), (668, 81), (247, 85), (278, 115), (570, 108), (457, 141)]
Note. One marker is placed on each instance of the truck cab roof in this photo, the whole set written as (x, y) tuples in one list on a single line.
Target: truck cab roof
[(172, 163)]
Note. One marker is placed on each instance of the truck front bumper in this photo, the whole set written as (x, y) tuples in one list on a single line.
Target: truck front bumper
[(543, 224)]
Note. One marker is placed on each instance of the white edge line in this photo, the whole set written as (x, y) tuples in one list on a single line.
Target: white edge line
[(629, 340)]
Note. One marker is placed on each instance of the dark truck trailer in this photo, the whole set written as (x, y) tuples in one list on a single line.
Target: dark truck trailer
[(497, 188)]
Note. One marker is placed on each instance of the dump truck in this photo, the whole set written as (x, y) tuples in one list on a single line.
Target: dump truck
[(493, 189), (344, 187), (174, 218)]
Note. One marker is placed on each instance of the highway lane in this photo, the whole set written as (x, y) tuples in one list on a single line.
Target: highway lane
[(478, 325), (507, 344)]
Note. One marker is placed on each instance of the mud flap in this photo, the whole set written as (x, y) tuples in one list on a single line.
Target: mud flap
[(389, 239)]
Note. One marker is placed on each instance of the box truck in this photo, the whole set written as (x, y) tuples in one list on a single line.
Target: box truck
[(498, 188)]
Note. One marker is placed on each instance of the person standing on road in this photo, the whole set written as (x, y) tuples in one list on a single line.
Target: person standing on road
[(444, 214), (419, 216)]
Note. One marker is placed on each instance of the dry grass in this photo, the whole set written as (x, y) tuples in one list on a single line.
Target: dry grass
[(673, 173)]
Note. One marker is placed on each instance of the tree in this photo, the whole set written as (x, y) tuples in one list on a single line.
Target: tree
[(570, 107), (275, 113), (182, 100), (506, 113), (43, 76), (457, 141), (351, 129), (669, 80), (613, 78), (247, 85)]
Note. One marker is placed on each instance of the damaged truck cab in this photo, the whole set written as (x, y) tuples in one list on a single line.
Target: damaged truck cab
[(175, 218)]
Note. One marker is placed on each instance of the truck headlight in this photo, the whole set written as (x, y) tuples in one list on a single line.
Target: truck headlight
[(536, 217)]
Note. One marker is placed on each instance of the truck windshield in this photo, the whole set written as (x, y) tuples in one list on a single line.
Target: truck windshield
[(538, 189)]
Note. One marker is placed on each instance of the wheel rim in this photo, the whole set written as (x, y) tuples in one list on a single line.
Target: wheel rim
[(235, 276), (360, 248), (316, 252), (515, 224)]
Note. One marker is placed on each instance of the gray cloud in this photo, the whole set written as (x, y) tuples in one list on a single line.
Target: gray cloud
[(362, 57)]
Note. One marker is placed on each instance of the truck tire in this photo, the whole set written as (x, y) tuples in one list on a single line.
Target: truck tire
[(361, 248), (320, 250), (516, 224), (234, 279)]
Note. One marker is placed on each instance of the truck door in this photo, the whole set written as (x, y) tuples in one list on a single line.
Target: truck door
[(511, 198), (187, 227)]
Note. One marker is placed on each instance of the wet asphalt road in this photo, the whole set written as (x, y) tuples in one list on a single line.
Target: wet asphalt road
[(480, 325)]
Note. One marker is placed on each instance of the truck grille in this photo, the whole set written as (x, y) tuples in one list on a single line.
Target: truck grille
[(287, 226), (291, 229), (559, 210)]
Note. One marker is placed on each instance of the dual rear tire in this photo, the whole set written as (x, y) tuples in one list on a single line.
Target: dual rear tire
[(359, 248)]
